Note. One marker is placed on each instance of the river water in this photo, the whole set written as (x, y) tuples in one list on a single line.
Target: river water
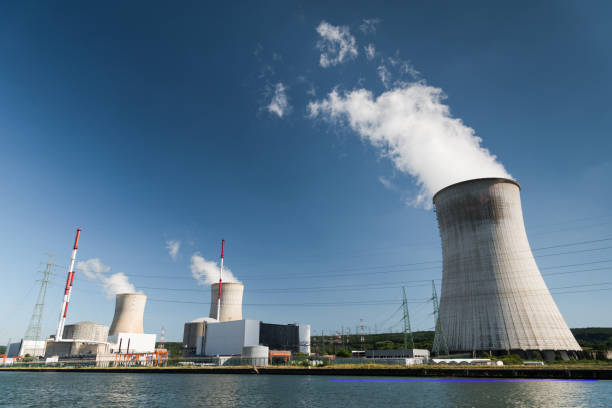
[(232, 390)]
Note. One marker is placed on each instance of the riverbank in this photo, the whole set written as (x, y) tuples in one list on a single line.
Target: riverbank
[(517, 372)]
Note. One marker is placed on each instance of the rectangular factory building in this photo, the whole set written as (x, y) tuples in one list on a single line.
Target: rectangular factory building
[(228, 338)]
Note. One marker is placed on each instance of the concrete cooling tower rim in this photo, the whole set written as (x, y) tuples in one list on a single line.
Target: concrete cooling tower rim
[(499, 179)]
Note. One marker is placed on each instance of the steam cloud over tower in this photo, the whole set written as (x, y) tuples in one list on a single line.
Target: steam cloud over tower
[(493, 295), (231, 301), (129, 312)]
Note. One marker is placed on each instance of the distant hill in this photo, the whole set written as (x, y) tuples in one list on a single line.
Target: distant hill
[(594, 338)]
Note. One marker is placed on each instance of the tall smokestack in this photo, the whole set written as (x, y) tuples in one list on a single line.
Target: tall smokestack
[(68, 289), (129, 312), (493, 295), (220, 275), (231, 301)]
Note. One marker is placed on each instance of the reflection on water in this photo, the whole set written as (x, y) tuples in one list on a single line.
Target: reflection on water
[(229, 390)]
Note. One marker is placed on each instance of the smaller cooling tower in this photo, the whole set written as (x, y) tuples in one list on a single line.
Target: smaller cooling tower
[(231, 301), (129, 311), (91, 331)]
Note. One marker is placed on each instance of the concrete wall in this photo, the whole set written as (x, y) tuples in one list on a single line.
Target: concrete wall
[(228, 338), (493, 296), (137, 342), (86, 331), (74, 348)]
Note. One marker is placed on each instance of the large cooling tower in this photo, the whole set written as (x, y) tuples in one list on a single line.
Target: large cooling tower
[(231, 301), (129, 311), (493, 295)]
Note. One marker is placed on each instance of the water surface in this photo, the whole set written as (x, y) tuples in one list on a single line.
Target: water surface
[(234, 390)]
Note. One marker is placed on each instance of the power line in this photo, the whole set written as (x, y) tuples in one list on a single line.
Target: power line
[(373, 286), (372, 269)]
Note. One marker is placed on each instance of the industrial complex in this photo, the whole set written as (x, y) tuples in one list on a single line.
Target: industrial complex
[(493, 301), (228, 335)]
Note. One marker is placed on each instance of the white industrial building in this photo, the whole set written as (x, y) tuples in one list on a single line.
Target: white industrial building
[(230, 335), (35, 348), (493, 295)]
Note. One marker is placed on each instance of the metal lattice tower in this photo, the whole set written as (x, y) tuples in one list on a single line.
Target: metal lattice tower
[(406, 319), (439, 345), (362, 333), (35, 326)]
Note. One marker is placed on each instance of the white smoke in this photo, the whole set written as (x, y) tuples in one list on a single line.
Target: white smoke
[(116, 283), (412, 127), (207, 272)]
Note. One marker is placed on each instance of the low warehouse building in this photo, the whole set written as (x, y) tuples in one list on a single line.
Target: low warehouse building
[(398, 353)]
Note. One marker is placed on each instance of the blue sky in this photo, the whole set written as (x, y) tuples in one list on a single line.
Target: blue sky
[(143, 123)]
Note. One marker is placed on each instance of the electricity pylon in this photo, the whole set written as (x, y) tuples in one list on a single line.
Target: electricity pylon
[(406, 319), (439, 346), (34, 329)]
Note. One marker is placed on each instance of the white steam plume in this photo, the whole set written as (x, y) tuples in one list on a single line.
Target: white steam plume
[(412, 127), (207, 272), (116, 283)]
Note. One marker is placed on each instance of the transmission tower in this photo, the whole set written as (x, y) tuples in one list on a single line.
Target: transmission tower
[(162, 339), (406, 319), (439, 346), (362, 334), (35, 326)]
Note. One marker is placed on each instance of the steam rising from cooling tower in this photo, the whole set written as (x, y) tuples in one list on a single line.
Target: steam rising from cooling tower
[(129, 313), (412, 127), (493, 295), (112, 284), (207, 272)]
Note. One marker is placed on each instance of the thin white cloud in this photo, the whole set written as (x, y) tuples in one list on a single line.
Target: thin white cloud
[(368, 26), (112, 285), (387, 183), (173, 247), (384, 75), (370, 51), (279, 105), (412, 126), (337, 45), (207, 272)]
